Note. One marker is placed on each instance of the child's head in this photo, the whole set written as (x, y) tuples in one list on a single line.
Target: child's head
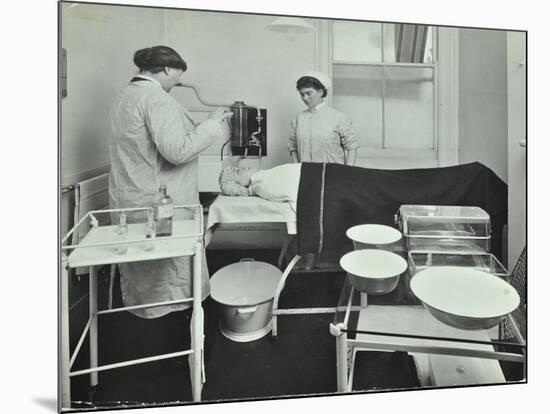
[(234, 180)]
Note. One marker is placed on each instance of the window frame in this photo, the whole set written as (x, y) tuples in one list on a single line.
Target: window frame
[(444, 150)]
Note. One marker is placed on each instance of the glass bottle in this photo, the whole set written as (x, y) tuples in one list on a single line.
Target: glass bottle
[(150, 231), (164, 211), (121, 235)]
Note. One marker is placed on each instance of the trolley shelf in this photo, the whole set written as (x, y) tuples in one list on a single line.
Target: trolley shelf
[(179, 244)]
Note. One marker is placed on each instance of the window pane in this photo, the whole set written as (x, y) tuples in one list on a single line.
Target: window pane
[(409, 110), (357, 92), (408, 43), (357, 41)]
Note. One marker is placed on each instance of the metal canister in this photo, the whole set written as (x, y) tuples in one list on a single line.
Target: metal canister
[(239, 128)]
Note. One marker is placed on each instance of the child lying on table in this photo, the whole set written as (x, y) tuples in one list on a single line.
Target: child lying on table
[(279, 183), (274, 184)]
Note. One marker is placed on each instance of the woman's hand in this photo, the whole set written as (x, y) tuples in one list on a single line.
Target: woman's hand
[(220, 114)]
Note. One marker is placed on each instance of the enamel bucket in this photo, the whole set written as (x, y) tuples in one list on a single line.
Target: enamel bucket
[(375, 236), (244, 292), (373, 271)]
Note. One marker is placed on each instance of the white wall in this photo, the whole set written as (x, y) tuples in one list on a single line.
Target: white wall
[(233, 57), (100, 42), (230, 57), (517, 155), (482, 99)]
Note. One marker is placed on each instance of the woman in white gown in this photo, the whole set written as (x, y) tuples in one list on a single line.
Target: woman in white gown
[(154, 141), (320, 133)]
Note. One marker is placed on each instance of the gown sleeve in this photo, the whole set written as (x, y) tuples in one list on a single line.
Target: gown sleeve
[(292, 145), (347, 133), (177, 143)]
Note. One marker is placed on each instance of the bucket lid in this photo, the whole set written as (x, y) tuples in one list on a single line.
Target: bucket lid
[(373, 263), (245, 283), (373, 234)]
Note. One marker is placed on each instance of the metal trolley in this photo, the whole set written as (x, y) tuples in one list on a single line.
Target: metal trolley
[(99, 247), (397, 321), (432, 228)]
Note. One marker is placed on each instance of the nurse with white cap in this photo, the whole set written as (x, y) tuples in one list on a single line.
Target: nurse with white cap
[(320, 133)]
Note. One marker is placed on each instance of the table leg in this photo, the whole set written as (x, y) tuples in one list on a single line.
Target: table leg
[(197, 325), (278, 291), (64, 381), (94, 379)]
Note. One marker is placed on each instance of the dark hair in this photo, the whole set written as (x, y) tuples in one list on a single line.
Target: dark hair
[(155, 59), (310, 82)]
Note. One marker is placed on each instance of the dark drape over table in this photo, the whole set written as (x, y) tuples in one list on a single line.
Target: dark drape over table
[(335, 197)]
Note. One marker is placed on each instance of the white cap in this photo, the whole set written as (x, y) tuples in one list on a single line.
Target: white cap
[(321, 77)]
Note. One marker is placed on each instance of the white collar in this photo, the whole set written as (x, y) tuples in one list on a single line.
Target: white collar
[(317, 108), (139, 75)]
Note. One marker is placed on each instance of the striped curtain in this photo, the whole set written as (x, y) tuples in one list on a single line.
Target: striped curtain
[(410, 42)]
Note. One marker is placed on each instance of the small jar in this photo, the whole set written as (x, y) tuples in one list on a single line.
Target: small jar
[(121, 235), (150, 231)]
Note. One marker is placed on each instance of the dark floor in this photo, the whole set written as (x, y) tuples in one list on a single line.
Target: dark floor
[(299, 361)]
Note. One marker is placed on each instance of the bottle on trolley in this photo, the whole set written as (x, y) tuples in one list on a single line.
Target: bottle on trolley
[(163, 212)]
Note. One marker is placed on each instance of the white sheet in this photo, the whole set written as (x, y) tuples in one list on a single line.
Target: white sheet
[(279, 183), (227, 209)]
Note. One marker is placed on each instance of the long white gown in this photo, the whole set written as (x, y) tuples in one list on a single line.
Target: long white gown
[(154, 141), (321, 135)]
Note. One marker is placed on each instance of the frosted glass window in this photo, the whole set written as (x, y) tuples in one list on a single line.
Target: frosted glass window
[(357, 92), (357, 41), (409, 110), (389, 43)]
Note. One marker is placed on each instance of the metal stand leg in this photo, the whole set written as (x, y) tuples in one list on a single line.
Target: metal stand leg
[(280, 287), (93, 325), (197, 325), (341, 362), (64, 381)]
